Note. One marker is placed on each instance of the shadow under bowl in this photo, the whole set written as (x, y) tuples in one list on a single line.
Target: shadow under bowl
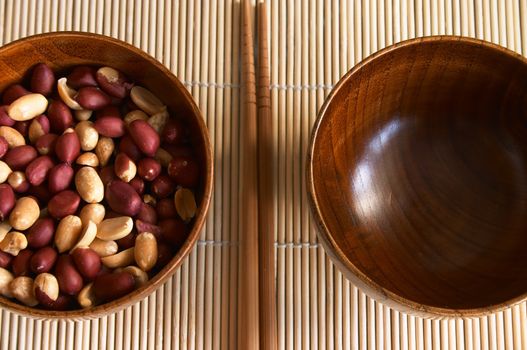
[(417, 174)]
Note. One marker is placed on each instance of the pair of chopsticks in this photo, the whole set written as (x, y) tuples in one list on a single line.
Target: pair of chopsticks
[(257, 326)]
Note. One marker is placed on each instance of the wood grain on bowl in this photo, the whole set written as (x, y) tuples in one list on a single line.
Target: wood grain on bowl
[(64, 50), (417, 174)]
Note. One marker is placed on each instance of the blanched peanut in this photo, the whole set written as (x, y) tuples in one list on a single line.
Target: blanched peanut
[(89, 159), (68, 233), (88, 135), (104, 248), (66, 94), (24, 214), (145, 251), (185, 204), (92, 212), (86, 297), (104, 150), (146, 100), (87, 235), (5, 279), (22, 289), (89, 185), (121, 259), (12, 136), (115, 228), (27, 107)]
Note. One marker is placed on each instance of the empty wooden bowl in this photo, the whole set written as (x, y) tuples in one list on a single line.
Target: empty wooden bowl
[(66, 49), (417, 173)]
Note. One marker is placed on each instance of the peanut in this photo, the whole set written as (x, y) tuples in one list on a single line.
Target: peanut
[(88, 159), (135, 115), (113, 285), (163, 157), (19, 157), (24, 214), (88, 135), (86, 297), (12, 136), (67, 146), (37, 171), (145, 251), (104, 150), (22, 289), (83, 114), (159, 120), (46, 287), (43, 259), (5, 171), (104, 248), (27, 107), (124, 167), (122, 198), (4, 229), (18, 181), (148, 168), (140, 276), (66, 94), (41, 233), (87, 235), (121, 259), (89, 185), (92, 212), (60, 177), (115, 228), (42, 79), (68, 232), (5, 279), (146, 100), (110, 126), (38, 127), (91, 98), (144, 136), (87, 261), (63, 204), (21, 264), (70, 281), (59, 115), (7, 201), (112, 82)]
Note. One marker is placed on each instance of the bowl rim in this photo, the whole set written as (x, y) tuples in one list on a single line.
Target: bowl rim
[(176, 261), (332, 248)]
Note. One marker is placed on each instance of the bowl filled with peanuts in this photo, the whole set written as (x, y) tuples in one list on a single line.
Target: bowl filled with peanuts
[(105, 175)]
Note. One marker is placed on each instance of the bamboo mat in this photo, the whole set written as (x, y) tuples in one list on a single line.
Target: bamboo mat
[(312, 44)]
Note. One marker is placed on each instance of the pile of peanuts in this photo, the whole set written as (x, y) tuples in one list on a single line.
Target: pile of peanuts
[(96, 187)]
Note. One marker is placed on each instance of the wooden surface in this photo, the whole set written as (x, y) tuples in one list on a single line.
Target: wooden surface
[(248, 305), (266, 169), (312, 44), (63, 50), (418, 176)]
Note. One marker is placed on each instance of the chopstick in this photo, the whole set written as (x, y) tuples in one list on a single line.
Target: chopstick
[(248, 305), (268, 331)]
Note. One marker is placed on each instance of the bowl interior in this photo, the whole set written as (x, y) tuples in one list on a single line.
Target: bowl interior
[(64, 50), (419, 173)]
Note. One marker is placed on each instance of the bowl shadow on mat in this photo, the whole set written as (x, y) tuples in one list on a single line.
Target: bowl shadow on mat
[(417, 174)]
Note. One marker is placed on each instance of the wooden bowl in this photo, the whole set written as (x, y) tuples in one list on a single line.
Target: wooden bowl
[(417, 173), (66, 49)]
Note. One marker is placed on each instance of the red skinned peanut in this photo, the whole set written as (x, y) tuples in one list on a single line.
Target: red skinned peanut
[(42, 79), (144, 136)]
